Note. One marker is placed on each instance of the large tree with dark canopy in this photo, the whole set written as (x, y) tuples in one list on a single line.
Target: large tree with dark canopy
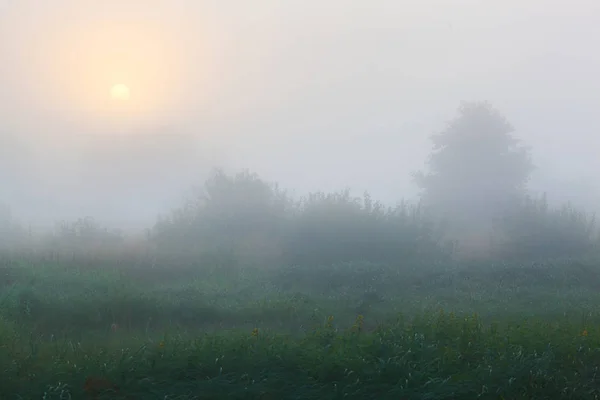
[(476, 169)]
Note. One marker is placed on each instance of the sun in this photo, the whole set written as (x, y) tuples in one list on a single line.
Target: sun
[(120, 92)]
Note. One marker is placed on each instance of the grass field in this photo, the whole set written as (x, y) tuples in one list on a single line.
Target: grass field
[(79, 329)]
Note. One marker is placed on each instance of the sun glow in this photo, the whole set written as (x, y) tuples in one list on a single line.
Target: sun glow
[(120, 92), (112, 64), (116, 72), (105, 60)]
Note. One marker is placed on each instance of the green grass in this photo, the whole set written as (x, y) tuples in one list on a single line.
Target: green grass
[(406, 332)]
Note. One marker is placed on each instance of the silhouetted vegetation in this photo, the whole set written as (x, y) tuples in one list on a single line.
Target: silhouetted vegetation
[(241, 218), (477, 172), (533, 230), (12, 233), (474, 204)]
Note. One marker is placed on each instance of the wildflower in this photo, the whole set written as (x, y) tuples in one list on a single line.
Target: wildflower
[(329, 321), (584, 333), (359, 323), (255, 332)]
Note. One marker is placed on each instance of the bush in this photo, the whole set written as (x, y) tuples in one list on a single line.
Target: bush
[(244, 219), (82, 236), (230, 218), (336, 227), (11, 232), (533, 230)]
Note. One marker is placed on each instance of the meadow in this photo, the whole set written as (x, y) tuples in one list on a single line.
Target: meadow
[(246, 293), (85, 327)]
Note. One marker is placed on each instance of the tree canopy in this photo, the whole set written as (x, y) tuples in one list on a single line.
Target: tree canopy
[(476, 169)]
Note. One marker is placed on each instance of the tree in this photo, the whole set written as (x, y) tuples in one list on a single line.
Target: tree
[(477, 168)]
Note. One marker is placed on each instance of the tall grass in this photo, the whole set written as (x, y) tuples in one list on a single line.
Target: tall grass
[(349, 331)]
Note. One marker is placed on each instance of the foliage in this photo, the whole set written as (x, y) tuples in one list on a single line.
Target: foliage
[(242, 218), (84, 231), (11, 232), (534, 230), (129, 332), (477, 167), (228, 218), (336, 227)]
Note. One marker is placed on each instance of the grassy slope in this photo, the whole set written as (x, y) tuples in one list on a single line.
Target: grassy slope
[(187, 333)]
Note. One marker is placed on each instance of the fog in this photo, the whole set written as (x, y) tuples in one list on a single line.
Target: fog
[(314, 95)]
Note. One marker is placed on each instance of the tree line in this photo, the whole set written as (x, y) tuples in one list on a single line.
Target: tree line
[(474, 203)]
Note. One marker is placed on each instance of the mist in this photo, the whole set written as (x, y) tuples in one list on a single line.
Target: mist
[(278, 199), (313, 95)]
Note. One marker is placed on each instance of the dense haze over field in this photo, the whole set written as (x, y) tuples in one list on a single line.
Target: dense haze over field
[(312, 199), (316, 95)]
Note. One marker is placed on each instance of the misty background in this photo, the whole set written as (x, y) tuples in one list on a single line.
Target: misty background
[(313, 95)]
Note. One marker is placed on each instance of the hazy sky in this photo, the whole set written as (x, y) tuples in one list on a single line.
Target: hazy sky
[(313, 94)]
